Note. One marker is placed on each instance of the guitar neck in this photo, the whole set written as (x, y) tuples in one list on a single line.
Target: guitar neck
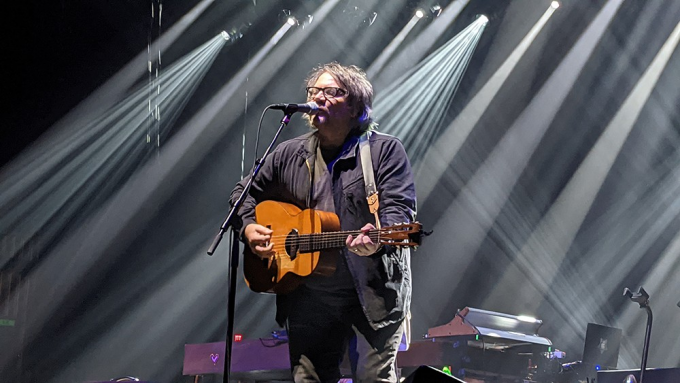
[(308, 243)]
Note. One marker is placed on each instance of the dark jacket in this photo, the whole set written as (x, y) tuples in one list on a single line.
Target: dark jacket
[(382, 280)]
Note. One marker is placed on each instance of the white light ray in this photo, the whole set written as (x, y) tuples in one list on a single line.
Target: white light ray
[(124, 215), (421, 96), (80, 168), (103, 98), (380, 61), (468, 219), (418, 48), (80, 173), (547, 246), (435, 164)]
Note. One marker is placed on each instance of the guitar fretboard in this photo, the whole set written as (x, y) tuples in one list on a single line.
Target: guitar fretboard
[(307, 243)]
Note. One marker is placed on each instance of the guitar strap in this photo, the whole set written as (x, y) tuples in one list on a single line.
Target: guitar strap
[(369, 179), (373, 204)]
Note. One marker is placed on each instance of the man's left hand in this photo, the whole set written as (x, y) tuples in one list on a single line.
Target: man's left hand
[(362, 245)]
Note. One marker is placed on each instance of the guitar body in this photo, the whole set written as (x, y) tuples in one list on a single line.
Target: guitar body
[(285, 271)]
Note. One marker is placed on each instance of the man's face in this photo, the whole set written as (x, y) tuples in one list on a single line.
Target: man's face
[(334, 109)]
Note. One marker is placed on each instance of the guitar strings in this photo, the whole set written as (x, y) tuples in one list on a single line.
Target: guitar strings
[(281, 248), (324, 240), (308, 241), (334, 235)]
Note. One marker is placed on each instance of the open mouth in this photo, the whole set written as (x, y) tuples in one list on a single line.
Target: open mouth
[(323, 109)]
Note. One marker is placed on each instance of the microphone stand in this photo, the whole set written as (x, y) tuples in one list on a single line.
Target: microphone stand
[(642, 298), (234, 252)]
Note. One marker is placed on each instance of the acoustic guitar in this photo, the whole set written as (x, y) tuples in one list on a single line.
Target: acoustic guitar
[(306, 243)]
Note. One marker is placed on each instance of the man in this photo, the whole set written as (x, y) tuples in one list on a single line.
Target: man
[(367, 296)]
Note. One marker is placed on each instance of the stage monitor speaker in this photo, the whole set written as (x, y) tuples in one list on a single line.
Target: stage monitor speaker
[(427, 374)]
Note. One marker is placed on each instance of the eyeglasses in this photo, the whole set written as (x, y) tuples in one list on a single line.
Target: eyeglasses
[(331, 92)]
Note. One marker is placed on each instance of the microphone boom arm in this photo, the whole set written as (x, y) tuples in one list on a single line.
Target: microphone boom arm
[(234, 257)]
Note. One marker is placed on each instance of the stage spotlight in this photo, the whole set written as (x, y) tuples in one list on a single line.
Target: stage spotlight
[(428, 90), (308, 20), (232, 35), (358, 15), (420, 14), (555, 4), (436, 10), (371, 18), (285, 15), (235, 33)]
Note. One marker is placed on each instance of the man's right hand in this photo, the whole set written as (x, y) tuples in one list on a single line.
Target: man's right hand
[(259, 240)]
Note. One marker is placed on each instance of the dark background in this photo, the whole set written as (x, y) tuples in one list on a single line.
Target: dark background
[(132, 291)]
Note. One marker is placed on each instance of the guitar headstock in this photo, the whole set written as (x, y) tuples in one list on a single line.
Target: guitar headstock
[(403, 234)]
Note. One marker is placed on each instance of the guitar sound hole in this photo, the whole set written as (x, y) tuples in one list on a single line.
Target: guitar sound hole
[(292, 245)]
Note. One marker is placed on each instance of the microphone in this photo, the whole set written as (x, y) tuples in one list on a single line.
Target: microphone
[(309, 108)]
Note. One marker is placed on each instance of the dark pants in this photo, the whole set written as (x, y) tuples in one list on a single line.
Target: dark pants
[(320, 328)]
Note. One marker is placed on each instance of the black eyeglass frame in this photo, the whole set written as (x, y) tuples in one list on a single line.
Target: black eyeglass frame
[(339, 92)]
